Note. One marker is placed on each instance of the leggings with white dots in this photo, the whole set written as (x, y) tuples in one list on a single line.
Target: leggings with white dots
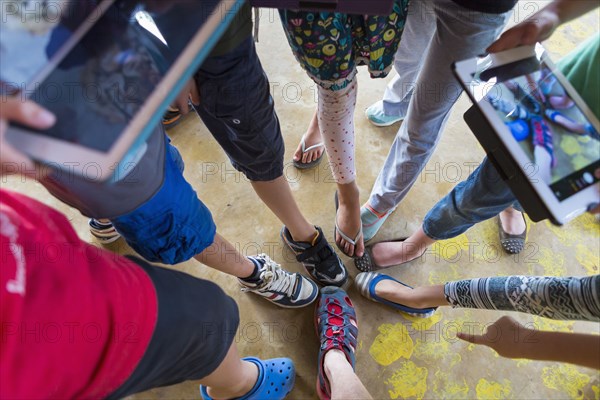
[(336, 121)]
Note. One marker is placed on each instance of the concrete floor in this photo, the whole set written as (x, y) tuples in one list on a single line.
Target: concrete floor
[(397, 357)]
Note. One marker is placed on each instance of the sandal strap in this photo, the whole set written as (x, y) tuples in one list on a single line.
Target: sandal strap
[(342, 337), (314, 146), (314, 250), (346, 238)]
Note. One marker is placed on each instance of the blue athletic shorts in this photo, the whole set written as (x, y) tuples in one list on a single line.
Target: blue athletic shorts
[(173, 225)]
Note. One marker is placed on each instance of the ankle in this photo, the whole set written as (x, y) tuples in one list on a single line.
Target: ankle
[(373, 211), (254, 276), (335, 361), (306, 234), (348, 194), (239, 388), (510, 212)]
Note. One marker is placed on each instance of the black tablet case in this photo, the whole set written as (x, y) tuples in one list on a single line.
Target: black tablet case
[(507, 166)]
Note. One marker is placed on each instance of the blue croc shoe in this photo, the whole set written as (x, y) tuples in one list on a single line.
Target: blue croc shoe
[(377, 116), (275, 381), (366, 282)]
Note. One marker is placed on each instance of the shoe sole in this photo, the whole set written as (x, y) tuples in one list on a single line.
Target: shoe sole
[(308, 165), (106, 240), (286, 306)]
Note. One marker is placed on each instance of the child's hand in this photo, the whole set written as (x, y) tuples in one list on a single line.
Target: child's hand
[(534, 29), (506, 336), (27, 113), (189, 92)]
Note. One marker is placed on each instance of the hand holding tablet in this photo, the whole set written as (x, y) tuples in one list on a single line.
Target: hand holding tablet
[(107, 73), (536, 129), (29, 114)]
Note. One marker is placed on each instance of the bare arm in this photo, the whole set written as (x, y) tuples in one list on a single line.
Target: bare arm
[(542, 24), (511, 339)]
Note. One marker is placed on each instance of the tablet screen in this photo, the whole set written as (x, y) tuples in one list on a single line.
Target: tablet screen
[(95, 90), (551, 129)]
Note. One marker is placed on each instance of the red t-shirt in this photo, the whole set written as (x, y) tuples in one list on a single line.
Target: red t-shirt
[(75, 320)]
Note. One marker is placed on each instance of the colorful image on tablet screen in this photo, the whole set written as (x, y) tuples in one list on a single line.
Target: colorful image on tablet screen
[(562, 144)]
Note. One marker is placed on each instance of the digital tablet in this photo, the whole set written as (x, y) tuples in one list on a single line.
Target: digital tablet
[(107, 69), (536, 129), (370, 7)]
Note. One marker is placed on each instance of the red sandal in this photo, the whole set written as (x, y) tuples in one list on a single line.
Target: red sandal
[(335, 321)]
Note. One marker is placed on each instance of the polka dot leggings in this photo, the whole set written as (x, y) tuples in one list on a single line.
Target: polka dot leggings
[(336, 121)]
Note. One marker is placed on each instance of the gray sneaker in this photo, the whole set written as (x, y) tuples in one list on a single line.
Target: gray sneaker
[(281, 287)]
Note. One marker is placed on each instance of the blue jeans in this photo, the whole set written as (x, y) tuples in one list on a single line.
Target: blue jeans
[(482, 196)]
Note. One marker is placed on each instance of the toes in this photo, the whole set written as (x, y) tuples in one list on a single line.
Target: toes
[(360, 248), (318, 153), (349, 250), (298, 154)]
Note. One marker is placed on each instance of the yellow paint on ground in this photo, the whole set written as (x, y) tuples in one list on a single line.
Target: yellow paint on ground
[(596, 391), (582, 226), (522, 362), (423, 324), (584, 139), (552, 262), (588, 259), (570, 145), (487, 390), (446, 388), (545, 324), (409, 381), (580, 161), (392, 343), (445, 274), (433, 350), (565, 378), (449, 249)]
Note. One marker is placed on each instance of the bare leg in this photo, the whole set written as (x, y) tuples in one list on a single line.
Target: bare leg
[(222, 256), (277, 195), (233, 378), (512, 221), (420, 297), (343, 381), (311, 138), (386, 254), (348, 218)]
